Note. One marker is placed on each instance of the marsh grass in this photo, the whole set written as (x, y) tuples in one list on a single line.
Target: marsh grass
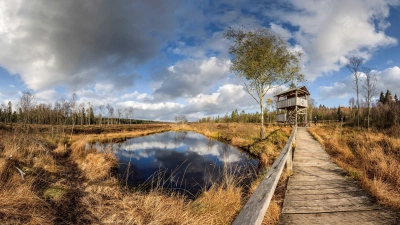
[(68, 184), (370, 157)]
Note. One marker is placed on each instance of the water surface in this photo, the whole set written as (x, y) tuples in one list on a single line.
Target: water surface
[(188, 161)]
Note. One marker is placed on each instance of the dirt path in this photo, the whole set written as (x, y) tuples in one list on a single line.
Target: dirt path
[(70, 210), (319, 192)]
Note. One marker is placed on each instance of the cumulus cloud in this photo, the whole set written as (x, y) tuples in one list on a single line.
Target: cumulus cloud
[(387, 79), (153, 111), (47, 96), (337, 90), (73, 43), (278, 29), (331, 31), (191, 77)]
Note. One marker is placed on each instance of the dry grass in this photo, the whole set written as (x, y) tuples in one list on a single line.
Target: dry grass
[(95, 165), (109, 203), (19, 201), (74, 185), (372, 158)]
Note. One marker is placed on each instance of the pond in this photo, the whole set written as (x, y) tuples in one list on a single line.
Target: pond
[(185, 161)]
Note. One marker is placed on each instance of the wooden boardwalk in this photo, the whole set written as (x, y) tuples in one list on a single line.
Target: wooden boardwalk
[(319, 192)]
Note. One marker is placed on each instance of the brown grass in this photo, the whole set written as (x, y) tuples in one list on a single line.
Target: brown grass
[(19, 201), (372, 158), (74, 185), (95, 165)]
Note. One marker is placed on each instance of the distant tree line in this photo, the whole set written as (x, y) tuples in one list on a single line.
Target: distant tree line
[(384, 112), (241, 117), (63, 112)]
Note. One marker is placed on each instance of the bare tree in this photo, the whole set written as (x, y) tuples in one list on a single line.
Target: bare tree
[(352, 103), (110, 112), (73, 112), (82, 112), (369, 90), (119, 113), (130, 111), (26, 104), (181, 119), (355, 67), (88, 113), (101, 108)]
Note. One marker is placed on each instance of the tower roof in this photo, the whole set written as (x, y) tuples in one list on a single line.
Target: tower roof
[(301, 91)]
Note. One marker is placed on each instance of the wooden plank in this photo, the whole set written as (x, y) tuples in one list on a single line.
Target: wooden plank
[(321, 186), (349, 194), (254, 210), (317, 182), (374, 217), (328, 202), (325, 208), (312, 177), (320, 192)]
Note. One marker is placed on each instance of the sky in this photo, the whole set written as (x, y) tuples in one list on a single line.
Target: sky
[(169, 58)]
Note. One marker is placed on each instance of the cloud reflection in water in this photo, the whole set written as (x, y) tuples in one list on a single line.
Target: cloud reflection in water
[(194, 158)]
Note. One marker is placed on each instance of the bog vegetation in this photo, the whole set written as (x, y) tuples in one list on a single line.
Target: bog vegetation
[(48, 177)]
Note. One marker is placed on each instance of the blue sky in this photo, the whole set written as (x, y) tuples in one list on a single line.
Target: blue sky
[(168, 58)]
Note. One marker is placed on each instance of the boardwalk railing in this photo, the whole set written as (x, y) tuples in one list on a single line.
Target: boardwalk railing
[(256, 207)]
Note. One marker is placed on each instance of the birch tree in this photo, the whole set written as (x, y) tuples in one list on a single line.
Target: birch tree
[(264, 60), (355, 67), (369, 90)]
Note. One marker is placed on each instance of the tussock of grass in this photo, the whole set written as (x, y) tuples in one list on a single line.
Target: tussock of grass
[(369, 157), (97, 166), (20, 205), (61, 150), (46, 162), (219, 204)]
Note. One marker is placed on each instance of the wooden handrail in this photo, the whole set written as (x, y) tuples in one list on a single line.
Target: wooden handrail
[(254, 211)]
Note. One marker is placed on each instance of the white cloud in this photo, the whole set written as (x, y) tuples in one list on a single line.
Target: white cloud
[(388, 79), (337, 90), (190, 77), (389, 61), (330, 31), (47, 96), (130, 95), (278, 29)]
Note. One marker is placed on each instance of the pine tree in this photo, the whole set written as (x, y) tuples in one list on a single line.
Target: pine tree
[(382, 98), (388, 97)]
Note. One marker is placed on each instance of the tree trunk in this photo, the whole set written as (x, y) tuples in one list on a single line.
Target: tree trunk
[(262, 121)]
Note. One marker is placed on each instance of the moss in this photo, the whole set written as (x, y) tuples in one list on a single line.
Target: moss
[(54, 193)]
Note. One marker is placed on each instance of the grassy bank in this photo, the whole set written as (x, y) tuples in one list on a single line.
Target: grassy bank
[(372, 158), (76, 186)]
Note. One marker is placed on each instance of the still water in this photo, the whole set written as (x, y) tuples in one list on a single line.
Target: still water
[(186, 161)]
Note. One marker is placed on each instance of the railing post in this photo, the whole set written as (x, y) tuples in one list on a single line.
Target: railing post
[(254, 210), (289, 162)]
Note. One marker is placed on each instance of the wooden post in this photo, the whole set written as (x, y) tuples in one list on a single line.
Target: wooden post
[(289, 161), (296, 110), (254, 210), (306, 110)]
